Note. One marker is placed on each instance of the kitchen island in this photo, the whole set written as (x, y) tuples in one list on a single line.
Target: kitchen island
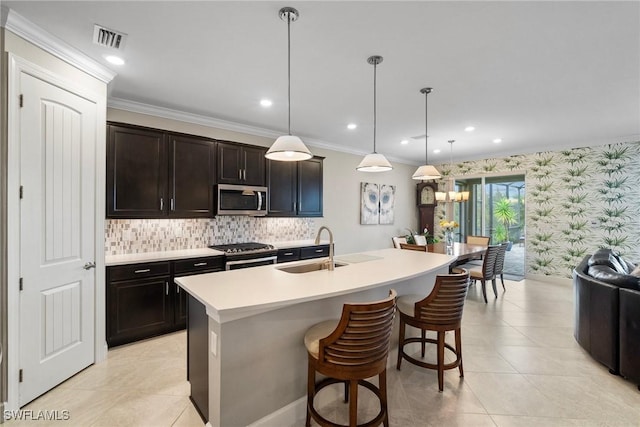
[(247, 360)]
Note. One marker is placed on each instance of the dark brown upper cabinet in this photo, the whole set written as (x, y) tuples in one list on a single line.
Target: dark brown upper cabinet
[(191, 166), (240, 164), (156, 174), (295, 188), (136, 172)]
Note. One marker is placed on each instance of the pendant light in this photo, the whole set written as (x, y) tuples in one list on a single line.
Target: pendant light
[(288, 148), (452, 196), (426, 171), (374, 162)]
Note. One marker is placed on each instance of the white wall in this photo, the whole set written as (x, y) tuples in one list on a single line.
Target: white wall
[(341, 185)]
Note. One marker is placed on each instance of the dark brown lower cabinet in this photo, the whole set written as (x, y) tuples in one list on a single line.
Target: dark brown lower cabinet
[(143, 301), (138, 308)]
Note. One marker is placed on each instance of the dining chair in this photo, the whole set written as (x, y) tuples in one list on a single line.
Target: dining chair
[(397, 240), (499, 267), (487, 272), (412, 247), (440, 311), (350, 351), (480, 241), (420, 239)]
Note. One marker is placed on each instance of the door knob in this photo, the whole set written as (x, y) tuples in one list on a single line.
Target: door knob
[(89, 265)]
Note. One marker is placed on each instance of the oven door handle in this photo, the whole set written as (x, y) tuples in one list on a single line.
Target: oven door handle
[(228, 264), (259, 200)]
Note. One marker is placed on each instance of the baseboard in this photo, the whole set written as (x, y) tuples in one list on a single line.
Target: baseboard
[(286, 416), (549, 279)]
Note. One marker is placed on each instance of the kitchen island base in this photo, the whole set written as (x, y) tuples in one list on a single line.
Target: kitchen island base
[(257, 365)]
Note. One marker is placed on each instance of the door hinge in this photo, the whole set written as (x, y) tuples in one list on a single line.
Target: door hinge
[(21, 100), (21, 283), (20, 376), (21, 191)]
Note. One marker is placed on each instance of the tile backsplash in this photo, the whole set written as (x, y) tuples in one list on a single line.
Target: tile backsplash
[(127, 236)]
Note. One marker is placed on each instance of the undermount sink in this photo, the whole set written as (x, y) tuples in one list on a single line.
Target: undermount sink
[(307, 268)]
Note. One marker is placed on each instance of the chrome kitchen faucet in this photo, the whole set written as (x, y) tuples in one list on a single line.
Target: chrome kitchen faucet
[(332, 265)]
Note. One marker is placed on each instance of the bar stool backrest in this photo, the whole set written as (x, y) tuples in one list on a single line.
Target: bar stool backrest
[(362, 337), (443, 306)]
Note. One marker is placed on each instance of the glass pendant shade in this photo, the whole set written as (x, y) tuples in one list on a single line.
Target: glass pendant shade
[(374, 162), (288, 148), (425, 172)]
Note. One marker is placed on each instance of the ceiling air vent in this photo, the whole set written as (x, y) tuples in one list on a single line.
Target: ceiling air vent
[(108, 38)]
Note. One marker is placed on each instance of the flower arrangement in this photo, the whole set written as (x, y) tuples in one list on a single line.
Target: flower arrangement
[(448, 225)]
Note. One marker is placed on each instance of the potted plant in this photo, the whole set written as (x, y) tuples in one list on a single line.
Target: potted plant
[(505, 215)]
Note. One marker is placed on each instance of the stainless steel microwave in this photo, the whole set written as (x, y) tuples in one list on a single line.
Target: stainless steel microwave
[(241, 200)]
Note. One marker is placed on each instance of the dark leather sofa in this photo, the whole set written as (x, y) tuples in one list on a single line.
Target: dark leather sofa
[(607, 312)]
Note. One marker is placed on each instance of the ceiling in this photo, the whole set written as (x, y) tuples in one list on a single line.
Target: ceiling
[(539, 75)]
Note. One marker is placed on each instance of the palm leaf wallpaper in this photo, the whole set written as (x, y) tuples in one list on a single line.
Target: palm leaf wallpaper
[(577, 200)]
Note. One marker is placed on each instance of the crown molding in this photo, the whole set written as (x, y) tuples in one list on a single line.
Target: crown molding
[(168, 113), (27, 30)]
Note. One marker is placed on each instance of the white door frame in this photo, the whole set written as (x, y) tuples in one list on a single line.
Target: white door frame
[(17, 66)]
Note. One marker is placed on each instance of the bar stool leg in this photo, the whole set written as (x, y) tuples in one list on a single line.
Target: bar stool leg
[(311, 391), (400, 342), (441, 360), (459, 351), (423, 335), (353, 403), (382, 383)]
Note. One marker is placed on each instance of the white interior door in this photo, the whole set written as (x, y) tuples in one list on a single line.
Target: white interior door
[(57, 215)]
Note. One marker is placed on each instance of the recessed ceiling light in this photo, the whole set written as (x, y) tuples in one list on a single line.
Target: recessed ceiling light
[(469, 129), (352, 126), (436, 151), (497, 140), (266, 102), (115, 60), (404, 142)]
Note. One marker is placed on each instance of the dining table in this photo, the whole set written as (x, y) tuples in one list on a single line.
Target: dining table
[(462, 251)]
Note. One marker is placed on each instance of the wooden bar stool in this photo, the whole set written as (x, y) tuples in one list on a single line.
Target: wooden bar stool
[(350, 350), (440, 311)]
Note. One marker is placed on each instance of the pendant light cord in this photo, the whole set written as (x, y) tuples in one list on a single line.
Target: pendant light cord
[(426, 133), (289, 69), (375, 66)]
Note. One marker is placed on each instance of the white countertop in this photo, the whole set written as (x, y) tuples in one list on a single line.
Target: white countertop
[(193, 253), (159, 256), (234, 294), (297, 243)]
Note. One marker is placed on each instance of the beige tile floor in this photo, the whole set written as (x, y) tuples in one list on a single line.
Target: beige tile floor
[(522, 368)]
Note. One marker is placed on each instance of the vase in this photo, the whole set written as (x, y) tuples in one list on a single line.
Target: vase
[(448, 241)]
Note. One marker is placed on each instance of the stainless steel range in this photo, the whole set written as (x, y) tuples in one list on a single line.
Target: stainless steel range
[(251, 254)]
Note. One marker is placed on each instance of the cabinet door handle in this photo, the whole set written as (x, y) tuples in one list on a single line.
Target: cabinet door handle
[(177, 289), (161, 203), (166, 287), (244, 174), (173, 204), (199, 264), (319, 251), (240, 174), (294, 206), (288, 253), (144, 270)]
